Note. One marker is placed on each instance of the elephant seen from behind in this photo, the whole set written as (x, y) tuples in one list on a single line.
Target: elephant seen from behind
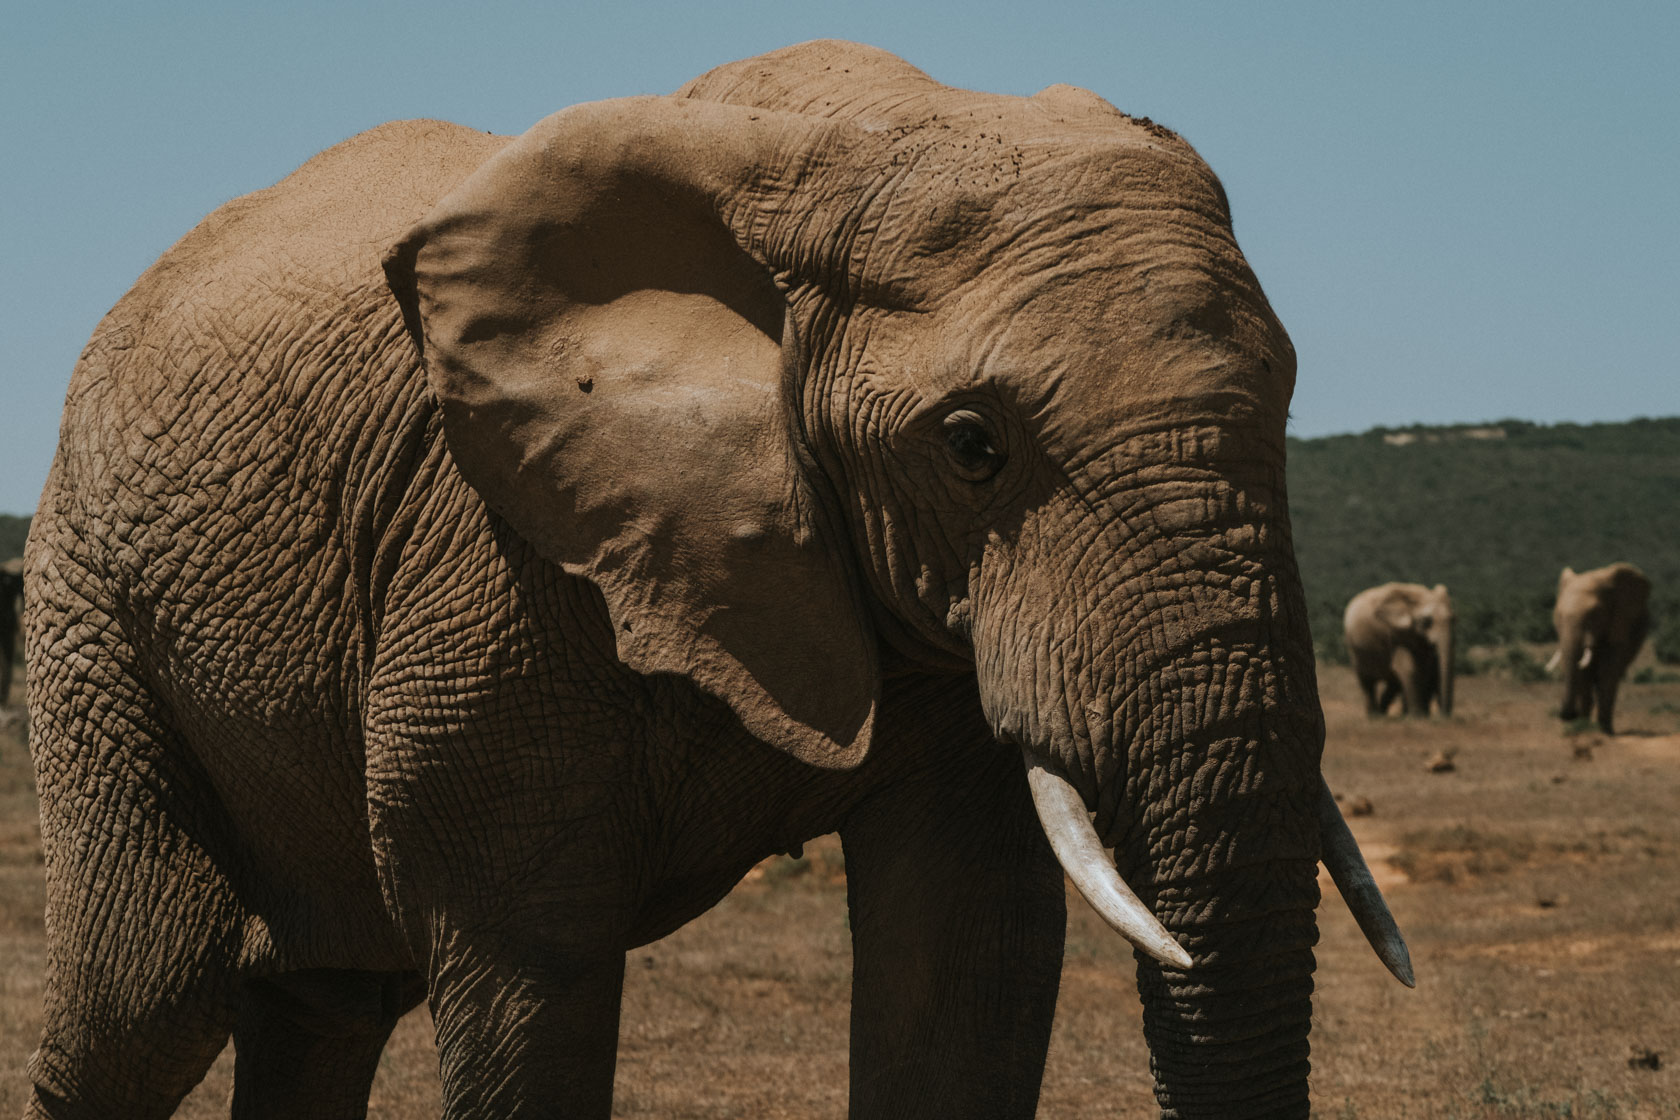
[(465, 559), (1400, 640), (1602, 617)]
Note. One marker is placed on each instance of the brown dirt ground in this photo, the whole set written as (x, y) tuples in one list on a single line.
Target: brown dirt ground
[(1538, 882)]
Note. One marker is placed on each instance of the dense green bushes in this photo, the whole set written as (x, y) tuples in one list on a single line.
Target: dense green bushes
[(13, 532), (1494, 512)]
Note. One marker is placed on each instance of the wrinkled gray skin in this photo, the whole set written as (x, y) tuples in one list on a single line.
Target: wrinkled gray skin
[(703, 474), (1602, 617), (1400, 639), (11, 614)]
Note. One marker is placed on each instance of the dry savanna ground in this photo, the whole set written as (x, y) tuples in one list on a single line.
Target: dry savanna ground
[(1538, 880)]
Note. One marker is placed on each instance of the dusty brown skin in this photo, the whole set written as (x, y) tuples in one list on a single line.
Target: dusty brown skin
[(1400, 639), (695, 475), (1602, 617)]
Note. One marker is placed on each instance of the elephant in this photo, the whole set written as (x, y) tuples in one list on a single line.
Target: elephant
[(1602, 617), (464, 560), (1400, 639), (11, 617)]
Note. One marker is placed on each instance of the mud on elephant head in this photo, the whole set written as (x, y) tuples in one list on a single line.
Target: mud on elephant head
[(1602, 617), (827, 375)]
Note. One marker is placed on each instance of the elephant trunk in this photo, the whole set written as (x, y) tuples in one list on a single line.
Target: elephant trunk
[(1230, 1039), (1445, 667), (1231, 873), (1179, 699), (1573, 659)]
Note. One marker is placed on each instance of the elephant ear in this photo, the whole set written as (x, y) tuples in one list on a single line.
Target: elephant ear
[(617, 376), (1396, 614)]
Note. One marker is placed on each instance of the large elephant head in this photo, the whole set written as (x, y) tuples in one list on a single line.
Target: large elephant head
[(820, 366)]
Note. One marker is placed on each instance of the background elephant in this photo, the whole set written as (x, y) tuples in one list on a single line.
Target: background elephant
[(11, 608), (1400, 639), (696, 475), (1602, 617)]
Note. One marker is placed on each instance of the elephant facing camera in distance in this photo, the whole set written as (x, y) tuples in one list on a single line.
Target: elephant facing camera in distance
[(1400, 641), (465, 559), (1602, 617)]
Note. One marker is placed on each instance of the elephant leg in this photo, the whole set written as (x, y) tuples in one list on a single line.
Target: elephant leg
[(1387, 690), (1582, 707), (523, 1040), (1604, 692), (308, 1043), (1409, 670), (958, 918), (1571, 709), (144, 930), (1370, 686)]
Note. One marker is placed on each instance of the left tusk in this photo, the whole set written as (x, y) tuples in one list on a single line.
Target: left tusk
[(1067, 825), (1586, 658), (1353, 878)]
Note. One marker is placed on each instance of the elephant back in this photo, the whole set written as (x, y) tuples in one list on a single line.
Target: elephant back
[(240, 391)]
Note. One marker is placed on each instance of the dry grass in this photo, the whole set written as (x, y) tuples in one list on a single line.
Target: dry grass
[(1538, 883)]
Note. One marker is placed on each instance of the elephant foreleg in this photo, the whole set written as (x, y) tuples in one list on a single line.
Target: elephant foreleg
[(308, 1043), (958, 918), (1578, 701), (524, 1040), (1383, 693), (1604, 692), (1412, 675), (144, 930), (1375, 691)]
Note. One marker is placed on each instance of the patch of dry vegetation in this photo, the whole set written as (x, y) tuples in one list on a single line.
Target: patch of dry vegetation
[(1536, 884), (1459, 853)]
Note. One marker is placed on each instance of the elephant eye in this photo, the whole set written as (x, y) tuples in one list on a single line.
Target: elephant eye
[(973, 448)]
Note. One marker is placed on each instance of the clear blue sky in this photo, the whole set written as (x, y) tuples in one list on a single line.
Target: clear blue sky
[(1461, 210)]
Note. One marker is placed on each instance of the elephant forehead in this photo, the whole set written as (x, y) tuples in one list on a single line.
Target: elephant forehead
[(1108, 337), (945, 212)]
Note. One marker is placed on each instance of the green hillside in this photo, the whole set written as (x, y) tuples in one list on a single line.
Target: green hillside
[(13, 532), (1493, 511)]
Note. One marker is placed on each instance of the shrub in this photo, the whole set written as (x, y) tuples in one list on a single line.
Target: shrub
[(1665, 633), (1522, 667)]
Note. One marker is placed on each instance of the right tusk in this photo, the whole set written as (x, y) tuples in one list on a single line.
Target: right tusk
[(1556, 660), (1586, 658), (1068, 826), (1351, 876)]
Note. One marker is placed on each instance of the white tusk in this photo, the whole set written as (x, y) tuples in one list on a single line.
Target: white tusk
[(1586, 657), (1556, 660), (1068, 826), (1347, 868)]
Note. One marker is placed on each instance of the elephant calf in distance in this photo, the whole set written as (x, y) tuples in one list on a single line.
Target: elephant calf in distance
[(1602, 617), (465, 559), (1400, 640)]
